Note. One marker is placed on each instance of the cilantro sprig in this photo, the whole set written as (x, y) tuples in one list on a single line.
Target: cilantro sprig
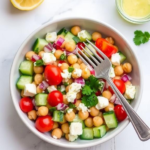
[(141, 37)]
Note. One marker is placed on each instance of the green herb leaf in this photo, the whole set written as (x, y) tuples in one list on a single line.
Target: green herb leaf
[(76, 39), (101, 87), (59, 88), (65, 84), (70, 69), (52, 109), (62, 57), (90, 101), (86, 90), (71, 105), (39, 63), (141, 37)]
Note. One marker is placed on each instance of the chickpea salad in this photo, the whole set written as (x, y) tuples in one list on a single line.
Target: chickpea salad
[(61, 94)]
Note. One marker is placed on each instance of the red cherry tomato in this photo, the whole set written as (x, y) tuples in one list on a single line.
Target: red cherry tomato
[(120, 85), (53, 75), (44, 123), (107, 48), (54, 98), (120, 112), (26, 104), (80, 45), (98, 93)]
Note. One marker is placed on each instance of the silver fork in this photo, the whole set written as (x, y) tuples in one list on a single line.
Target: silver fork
[(102, 67)]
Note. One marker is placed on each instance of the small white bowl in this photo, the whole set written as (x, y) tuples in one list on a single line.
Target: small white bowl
[(90, 25)]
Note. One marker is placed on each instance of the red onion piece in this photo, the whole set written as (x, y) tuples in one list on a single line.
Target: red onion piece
[(61, 106), (114, 99), (80, 81), (75, 101), (44, 85), (125, 78), (35, 57), (60, 41), (48, 48), (92, 71)]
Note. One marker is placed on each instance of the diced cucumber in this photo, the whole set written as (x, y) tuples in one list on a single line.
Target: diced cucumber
[(69, 36), (122, 56), (24, 80), (58, 116), (62, 31), (26, 67), (39, 45), (87, 134), (110, 119), (41, 99), (83, 35), (99, 131), (90, 47), (77, 119)]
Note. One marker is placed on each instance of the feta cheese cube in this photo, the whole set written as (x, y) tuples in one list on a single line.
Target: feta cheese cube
[(62, 88), (30, 90), (102, 102), (48, 58), (69, 110), (76, 128), (66, 74), (111, 73), (71, 96), (115, 59), (78, 72), (130, 92), (51, 37), (82, 107), (51, 88), (72, 137), (75, 87)]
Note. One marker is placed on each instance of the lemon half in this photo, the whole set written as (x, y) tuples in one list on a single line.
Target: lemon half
[(26, 4)]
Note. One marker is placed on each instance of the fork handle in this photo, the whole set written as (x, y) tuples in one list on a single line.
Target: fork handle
[(142, 130)]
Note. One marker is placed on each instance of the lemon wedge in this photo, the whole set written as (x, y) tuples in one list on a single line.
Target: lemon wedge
[(26, 4)]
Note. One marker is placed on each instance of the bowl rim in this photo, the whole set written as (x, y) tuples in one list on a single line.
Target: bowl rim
[(37, 133)]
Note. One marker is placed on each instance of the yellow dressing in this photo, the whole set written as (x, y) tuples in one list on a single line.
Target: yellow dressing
[(136, 8)]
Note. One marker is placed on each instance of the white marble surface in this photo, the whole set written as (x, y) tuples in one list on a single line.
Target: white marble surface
[(15, 26)]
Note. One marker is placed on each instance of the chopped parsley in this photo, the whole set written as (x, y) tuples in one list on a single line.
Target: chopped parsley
[(39, 63), (62, 57)]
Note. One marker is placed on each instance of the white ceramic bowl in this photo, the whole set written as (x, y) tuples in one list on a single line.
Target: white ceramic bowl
[(91, 25)]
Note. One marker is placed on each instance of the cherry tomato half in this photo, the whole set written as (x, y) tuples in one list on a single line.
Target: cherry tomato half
[(80, 45), (44, 123), (120, 112), (120, 85), (98, 93), (53, 75), (54, 98), (26, 104)]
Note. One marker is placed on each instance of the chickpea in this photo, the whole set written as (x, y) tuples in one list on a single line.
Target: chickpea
[(58, 53), (109, 107), (38, 78), (56, 125), (94, 111), (57, 133), (79, 95), (97, 121), (65, 101), (127, 67), (70, 46), (100, 114), (107, 94), (75, 75), (79, 61), (29, 55), (67, 88), (67, 136), (72, 59), (65, 128), (118, 70), (41, 53), (38, 69), (75, 30), (70, 116), (83, 66), (42, 111), (76, 66), (70, 81), (64, 66), (117, 77), (128, 83), (75, 110), (38, 90), (32, 115), (85, 73), (96, 35), (89, 122), (83, 115), (22, 93), (77, 103), (110, 40)]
